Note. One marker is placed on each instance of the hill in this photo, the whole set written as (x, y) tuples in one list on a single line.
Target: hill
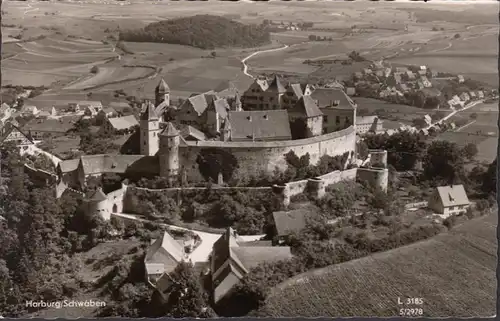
[(202, 31), (454, 274)]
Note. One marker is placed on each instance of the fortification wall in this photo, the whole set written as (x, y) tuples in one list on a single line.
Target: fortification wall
[(256, 157), (374, 176), (378, 156)]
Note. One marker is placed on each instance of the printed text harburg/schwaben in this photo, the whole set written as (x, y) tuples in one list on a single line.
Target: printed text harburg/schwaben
[(65, 304)]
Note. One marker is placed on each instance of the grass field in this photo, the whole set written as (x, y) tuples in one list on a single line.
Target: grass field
[(454, 274)]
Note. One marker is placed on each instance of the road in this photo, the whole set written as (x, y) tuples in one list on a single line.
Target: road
[(470, 105), (245, 66)]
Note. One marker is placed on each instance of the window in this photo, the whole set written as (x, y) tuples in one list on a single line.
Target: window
[(452, 208), (271, 98), (325, 119), (337, 119)]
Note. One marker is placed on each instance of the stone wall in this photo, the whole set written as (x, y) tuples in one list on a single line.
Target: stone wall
[(374, 176), (378, 156), (257, 157)]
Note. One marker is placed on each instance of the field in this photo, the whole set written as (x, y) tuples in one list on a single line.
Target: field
[(436, 270), (482, 132), (80, 35)]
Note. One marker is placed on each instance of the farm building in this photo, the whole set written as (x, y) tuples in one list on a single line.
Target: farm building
[(107, 113), (232, 258), (29, 110), (480, 94), (460, 79), (449, 200), (162, 256), (119, 125), (425, 81), (37, 128), (464, 97)]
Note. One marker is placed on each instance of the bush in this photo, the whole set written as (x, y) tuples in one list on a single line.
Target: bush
[(450, 221)]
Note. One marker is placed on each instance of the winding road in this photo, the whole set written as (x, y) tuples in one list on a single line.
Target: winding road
[(245, 66)]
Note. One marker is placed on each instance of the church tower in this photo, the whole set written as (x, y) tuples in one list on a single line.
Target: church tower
[(162, 93), (169, 152), (226, 131), (149, 130), (237, 103)]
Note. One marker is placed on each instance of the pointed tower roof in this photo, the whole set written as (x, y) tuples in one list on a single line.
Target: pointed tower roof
[(170, 130), (162, 86), (227, 125), (276, 85), (96, 196), (149, 112)]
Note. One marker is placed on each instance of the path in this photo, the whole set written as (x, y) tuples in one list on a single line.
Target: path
[(466, 125), (245, 66), (468, 106), (203, 251)]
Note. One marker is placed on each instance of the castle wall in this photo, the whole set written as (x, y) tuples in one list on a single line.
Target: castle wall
[(374, 176), (256, 157)]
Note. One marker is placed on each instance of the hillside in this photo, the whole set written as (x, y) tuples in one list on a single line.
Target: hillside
[(454, 273), (202, 31)]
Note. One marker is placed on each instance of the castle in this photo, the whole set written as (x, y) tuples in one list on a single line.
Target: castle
[(226, 137)]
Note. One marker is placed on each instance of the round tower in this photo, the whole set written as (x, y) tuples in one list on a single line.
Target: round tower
[(162, 93), (149, 130), (97, 203), (169, 152)]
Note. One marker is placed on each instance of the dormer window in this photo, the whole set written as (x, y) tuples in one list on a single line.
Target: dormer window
[(266, 117), (336, 102), (249, 118)]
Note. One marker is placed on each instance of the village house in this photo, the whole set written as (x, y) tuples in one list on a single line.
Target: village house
[(339, 110), (472, 95), (120, 125), (232, 258), (460, 79), (29, 110), (264, 95), (422, 73), (425, 81), (106, 113), (394, 79), (401, 70), (192, 110), (358, 75), (163, 256), (464, 97), (369, 124), (409, 76), (367, 71), (419, 85), (12, 133), (38, 128), (3, 109), (350, 91), (449, 200), (265, 125), (480, 94), (403, 88)]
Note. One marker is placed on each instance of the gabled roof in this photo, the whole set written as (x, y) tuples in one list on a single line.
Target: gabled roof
[(220, 106), (96, 164), (276, 85), (166, 244), (162, 86), (326, 97), (96, 195), (262, 83), (125, 122), (197, 102), (149, 113), (193, 132), (453, 195), (259, 125), (69, 165), (287, 222), (170, 130), (4, 107), (8, 128), (308, 107), (295, 89), (251, 256)]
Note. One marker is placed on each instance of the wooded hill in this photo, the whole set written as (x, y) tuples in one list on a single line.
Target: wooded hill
[(201, 31)]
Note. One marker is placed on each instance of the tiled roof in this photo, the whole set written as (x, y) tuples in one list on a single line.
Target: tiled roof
[(193, 132), (251, 256), (296, 89), (108, 110), (262, 83), (168, 245), (119, 104), (96, 195), (453, 195), (69, 165), (221, 107), (307, 106), (8, 128), (198, 102), (85, 103), (325, 97), (97, 164), (169, 130), (287, 222), (259, 125), (276, 85), (162, 86), (125, 122)]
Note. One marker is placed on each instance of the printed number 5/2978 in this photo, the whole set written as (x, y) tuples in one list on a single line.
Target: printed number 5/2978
[(411, 312)]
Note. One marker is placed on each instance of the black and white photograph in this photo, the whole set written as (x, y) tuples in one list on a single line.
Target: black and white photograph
[(259, 159)]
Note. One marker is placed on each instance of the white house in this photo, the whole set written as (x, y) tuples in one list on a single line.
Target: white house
[(449, 200)]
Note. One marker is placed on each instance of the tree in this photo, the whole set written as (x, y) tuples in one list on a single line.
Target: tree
[(444, 160), (473, 116), (215, 161), (186, 298), (470, 151), (489, 185)]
